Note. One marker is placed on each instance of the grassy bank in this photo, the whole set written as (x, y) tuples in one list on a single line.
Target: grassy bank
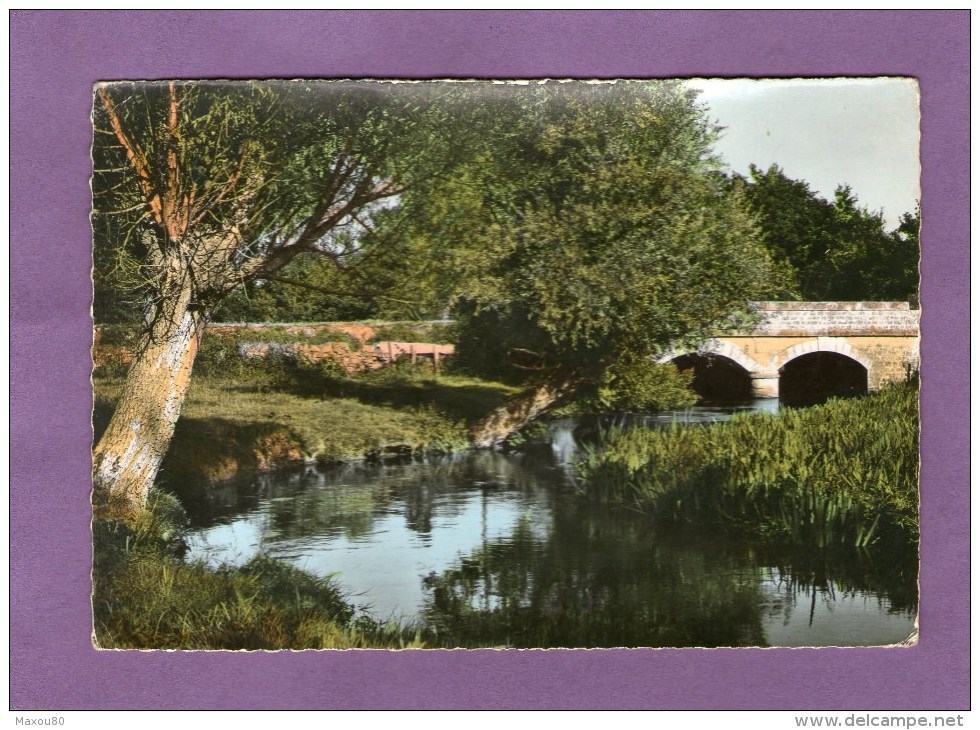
[(274, 412), (147, 597), (842, 473)]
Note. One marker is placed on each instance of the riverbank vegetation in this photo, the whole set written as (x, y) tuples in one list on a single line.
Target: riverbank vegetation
[(147, 597), (257, 414), (275, 411), (845, 472)]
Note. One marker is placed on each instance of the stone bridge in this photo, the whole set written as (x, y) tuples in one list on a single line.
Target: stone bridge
[(798, 348)]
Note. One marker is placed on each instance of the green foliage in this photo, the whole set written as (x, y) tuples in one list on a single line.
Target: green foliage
[(637, 384), (220, 354), (269, 172), (220, 357), (400, 373), (117, 334), (497, 342), (158, 530), (309, 289), (312, 288), (845, 471), (112, 350), (390, 283), (591, 226), (831, 250)]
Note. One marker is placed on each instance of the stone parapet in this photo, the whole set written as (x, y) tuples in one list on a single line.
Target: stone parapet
[(829, 306), (835, 319)]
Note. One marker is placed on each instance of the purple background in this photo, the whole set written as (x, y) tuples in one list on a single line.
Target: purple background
[(55, 59)]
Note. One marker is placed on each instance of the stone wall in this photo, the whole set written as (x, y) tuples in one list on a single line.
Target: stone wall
[(360, 331), (894, 358), (256, 340), (350, 360), (367, 357)]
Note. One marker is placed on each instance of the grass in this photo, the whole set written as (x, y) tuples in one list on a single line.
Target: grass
[(276, 411), (147, 597), (843, 472)]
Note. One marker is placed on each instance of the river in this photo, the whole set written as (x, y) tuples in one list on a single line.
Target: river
[(501, 549)]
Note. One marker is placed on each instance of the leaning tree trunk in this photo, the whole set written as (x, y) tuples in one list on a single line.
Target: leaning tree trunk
[(128, 455), (521, 410)]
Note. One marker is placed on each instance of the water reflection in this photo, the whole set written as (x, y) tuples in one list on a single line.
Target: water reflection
[(616, 580), (495, 549)]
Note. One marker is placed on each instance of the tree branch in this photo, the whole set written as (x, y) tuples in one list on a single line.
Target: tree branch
[(204, 209), (304, 285), (175, 203), (136, 156)]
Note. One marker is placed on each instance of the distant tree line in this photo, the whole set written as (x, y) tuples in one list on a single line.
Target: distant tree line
[(831, 250)]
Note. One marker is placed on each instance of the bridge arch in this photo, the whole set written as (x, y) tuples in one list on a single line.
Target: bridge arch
[(722, 372), (721, 348), (813, 371), (837, 345)]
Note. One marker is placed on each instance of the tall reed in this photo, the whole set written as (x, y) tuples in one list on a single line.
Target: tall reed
[(843, 472)]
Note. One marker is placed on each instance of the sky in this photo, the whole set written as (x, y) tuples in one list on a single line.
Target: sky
[(828, 132)]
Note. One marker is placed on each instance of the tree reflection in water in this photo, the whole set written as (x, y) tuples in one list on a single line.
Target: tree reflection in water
[(504, 552), (606, 580)]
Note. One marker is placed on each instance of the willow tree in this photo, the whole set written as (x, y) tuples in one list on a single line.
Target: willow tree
[(204, 186), (599, 232)]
